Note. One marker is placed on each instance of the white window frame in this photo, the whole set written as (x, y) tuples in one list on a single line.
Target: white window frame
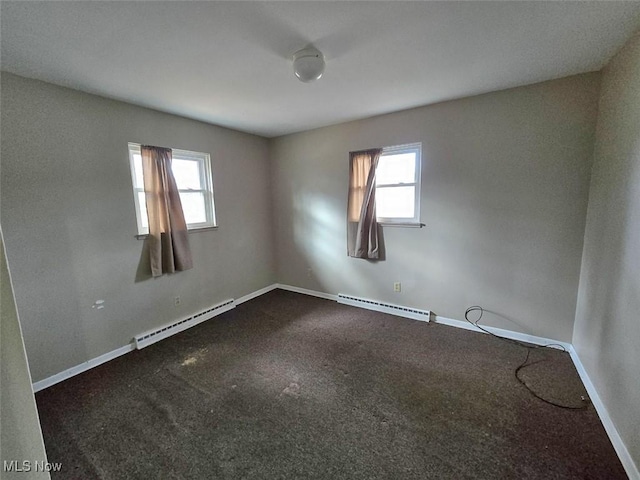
[(405, 221), (206, 187)]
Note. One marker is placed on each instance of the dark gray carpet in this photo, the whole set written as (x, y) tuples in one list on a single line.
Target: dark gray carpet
[(288, 386)]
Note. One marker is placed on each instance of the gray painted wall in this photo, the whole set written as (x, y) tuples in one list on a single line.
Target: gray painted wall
[(505, 190), (607, 329), (505, 181), (20, 435), (69, 221)]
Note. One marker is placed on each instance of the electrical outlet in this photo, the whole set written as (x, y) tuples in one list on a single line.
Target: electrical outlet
[(397, 287), (98, 305), (177, 301)]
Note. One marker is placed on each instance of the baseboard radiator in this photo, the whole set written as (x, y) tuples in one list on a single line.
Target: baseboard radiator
[(152, 336), (414, 313)]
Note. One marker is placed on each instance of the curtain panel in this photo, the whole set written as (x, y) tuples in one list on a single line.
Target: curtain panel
[(169, 249), (362, 227)]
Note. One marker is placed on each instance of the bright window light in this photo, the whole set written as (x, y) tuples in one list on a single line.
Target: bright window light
[(192, 172), (398, 185)]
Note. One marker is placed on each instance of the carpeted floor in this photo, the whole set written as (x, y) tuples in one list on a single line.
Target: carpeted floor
[(292, 387)]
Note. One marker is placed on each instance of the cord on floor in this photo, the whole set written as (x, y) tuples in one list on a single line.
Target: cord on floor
[(525, 363)]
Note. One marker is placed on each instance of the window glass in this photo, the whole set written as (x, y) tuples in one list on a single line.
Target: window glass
[(192, 172), (137, 165), (193, 207), (186, 173), (395, 202), (399, 168), (143, 208), (398, 185)]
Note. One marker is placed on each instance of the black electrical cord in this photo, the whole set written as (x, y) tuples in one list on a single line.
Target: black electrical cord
[(525, 364)]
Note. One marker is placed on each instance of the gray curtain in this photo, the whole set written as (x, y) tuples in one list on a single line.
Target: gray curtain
[(362, 227), (168, 239)]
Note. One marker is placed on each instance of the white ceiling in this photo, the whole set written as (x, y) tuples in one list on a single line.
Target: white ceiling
[(229, 63)]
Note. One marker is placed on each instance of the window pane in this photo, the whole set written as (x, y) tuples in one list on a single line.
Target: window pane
[(137, 166), (191, 171), (186, 173), (193, 207), (395, 202), (142, 200), (399, 168)]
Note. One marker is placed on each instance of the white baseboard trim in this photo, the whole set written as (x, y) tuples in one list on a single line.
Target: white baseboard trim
[(625, 458), (83, 367), (521, 337), (158, 334), (390, 308), (621, 449), (306, 291), (94, 362), (257, 293)]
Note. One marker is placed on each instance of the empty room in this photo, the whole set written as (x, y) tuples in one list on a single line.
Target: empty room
[(359, 240)]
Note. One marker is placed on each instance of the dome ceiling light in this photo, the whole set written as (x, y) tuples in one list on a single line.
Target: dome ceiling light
[(308, 64)]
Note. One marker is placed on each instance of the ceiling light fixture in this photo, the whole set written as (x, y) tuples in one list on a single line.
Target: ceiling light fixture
[(308, 64)]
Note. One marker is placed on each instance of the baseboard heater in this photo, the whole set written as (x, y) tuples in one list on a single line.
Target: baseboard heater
[(414, 313), (152, 336)]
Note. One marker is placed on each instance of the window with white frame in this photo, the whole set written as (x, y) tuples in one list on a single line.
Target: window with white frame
[(192, 172), (398, 185)]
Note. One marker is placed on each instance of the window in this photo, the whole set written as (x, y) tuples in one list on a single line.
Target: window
[(192, 171), (398, 185)]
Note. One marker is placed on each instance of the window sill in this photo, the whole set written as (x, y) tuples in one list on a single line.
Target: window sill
[(193, 230), (405, 225)]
